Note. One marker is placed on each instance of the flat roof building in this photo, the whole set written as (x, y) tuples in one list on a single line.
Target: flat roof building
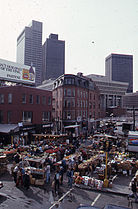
[(111, 92), (119, 67), (130, 100), (29, 48), (53, 58)]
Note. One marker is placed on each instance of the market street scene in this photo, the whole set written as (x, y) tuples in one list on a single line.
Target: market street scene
[(69, 104), (57, 170)]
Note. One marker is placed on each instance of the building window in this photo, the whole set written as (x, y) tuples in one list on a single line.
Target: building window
[(65, 103), (68, 115), (37, 99), (65, 92), (86, 104), (9, 98), (69, 81), (9, 116), (68, 92), (1, 98), (78, 103), (68, 103), (24, 98), (73, 103), (49, 115), (46, 116), (73, 92), (31, 99), (90, 96), (84, 94), (49, 100), (78, 92), (27, 116), (1, 116), (43, 100)]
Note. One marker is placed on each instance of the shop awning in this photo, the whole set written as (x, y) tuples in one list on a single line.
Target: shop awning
[(72, 126), (6, 128)]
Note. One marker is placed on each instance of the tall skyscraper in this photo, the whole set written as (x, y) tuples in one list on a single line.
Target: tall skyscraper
[(53, 57), (119, 67), (29, 48)]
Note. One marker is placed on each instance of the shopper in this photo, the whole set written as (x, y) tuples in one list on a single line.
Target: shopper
[(47, 173), (26, 180), (70, 174), (19, 178), (61, 173), (15, 170), (56, 178), (133, 187)]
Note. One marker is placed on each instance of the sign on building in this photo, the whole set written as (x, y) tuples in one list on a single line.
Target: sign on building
[(15, 72)]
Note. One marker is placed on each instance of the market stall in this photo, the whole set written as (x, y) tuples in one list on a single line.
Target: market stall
[(36, 170)]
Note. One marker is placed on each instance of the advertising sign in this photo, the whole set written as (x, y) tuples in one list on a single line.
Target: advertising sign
[(11, 71), (133, 141)]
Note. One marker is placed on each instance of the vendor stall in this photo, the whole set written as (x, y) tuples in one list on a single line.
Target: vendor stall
[(36, 170)]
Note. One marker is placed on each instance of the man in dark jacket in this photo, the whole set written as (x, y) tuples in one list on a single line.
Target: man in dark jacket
[(133, 185)]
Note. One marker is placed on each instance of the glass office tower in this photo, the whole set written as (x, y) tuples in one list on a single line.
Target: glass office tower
[(119, 67), (53, 57), (29, 48)]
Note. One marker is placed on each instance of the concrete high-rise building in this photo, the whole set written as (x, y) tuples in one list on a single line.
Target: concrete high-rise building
[(53, 57), (29, 48), (119, 67)]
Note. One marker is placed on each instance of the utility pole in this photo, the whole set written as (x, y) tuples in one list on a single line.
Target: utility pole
[(106, 181), (133, 118)]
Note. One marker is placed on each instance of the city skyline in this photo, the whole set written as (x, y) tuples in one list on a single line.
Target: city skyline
[(91, 29)]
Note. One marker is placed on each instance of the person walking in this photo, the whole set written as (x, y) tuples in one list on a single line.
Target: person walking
[(133, 186), (26, 180), (47, 172), (19, 178), (70, 174), (61, 173), (56, 178), (15, 171)]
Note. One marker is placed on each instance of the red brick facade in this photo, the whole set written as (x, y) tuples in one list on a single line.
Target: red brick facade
[(75, 98), (25, 104)]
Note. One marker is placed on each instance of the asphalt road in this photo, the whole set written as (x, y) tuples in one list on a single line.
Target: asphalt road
[(44, 197)]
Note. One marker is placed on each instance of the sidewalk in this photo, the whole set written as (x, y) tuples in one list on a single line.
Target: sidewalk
[(116, 189), (120, 186)]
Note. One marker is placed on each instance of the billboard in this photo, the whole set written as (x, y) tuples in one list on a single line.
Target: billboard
[(15, 72), (133, 141)]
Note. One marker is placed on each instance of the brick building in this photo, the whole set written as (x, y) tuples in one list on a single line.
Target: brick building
[(25, 104), (75, 99)]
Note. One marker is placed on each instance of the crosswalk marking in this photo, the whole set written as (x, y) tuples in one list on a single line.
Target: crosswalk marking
[(95, 199)]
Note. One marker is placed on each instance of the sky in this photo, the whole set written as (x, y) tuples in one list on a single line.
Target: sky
[(92, 29)]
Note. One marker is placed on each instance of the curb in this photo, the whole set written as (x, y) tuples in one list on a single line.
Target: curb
[(88, 188)]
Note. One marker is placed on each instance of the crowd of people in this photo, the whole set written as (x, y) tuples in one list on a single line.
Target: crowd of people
[(54, 172)]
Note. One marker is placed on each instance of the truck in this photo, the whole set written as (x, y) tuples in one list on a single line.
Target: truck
[(132, 141)]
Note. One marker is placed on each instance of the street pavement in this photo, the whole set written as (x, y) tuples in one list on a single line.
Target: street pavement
[(120, 186), (44, 197)]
